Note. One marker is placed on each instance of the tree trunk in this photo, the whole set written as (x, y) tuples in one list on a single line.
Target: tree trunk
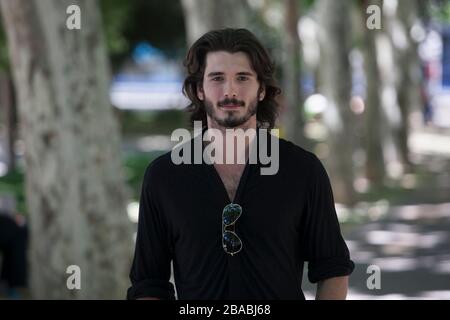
[(374, 167), (336, 85), (8, 108), (292, 115), (399, 21), (76, 195), (410, 75), (202, 16)]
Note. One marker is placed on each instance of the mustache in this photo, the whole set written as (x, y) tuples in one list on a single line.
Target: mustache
[(231, 101)]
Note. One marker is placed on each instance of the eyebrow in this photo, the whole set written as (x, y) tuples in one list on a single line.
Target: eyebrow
[(218, 73)]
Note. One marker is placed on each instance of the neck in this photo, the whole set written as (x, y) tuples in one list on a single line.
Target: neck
[(240, 133)]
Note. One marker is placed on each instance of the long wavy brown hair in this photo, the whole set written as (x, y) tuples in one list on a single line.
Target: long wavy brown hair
[(232, 41)]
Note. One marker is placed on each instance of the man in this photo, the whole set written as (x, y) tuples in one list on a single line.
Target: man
[(231, 232), (13, 247)]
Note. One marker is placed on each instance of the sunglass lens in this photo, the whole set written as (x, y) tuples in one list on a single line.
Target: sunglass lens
[(231, 242), (231, 213)]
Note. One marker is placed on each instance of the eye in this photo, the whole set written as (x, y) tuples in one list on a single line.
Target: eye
[(242, 78), (218, 78)]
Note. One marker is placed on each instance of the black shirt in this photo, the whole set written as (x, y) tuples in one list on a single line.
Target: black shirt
[(287, 219)]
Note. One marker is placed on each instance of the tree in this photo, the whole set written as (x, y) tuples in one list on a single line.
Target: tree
[(75, 189), (202, 16), (8, 117), (336, 81), (374, 167), (293, 115), (408, 70), (400, 76), (7, 103)]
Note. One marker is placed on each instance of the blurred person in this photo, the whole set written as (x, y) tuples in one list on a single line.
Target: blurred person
[(13, 247), (425, 95), (231, 232)]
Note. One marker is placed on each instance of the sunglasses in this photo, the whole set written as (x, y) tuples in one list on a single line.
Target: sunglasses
[(231, 243)]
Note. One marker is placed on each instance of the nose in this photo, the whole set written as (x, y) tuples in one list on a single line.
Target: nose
[(230, 89)]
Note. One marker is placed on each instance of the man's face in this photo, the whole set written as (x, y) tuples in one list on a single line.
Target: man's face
[(230, 90)]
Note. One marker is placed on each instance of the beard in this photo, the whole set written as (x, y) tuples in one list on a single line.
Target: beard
[(232, 118)]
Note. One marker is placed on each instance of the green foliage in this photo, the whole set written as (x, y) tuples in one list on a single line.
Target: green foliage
[(116, 14), (440, 10), (306, 4), (135, 165), (126, 23), (152, 122), (13, 184), (159, 22), (4, 60)]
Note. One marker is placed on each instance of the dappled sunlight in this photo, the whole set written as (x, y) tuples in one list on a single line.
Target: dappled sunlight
[(436, 295), (396, 264), (364, 257), (432, 295), (354, 294), (361, 184), (441, 115), (430, 211), (3, 169), (430, 143), (442, 265), (383, 237), (409, 181), (363, 211), (410, 245), (133, 211), (315, 104), (316, 130), (406, 239)]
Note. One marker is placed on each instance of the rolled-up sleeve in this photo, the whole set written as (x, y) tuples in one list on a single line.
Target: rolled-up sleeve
[(150, 271), (322, 243)]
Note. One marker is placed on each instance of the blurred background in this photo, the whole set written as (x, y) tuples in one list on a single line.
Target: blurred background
[(366, 87)]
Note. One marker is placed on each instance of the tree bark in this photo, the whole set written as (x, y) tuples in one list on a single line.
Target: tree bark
[(202, 16), (408, 86), (292, 114), (374, 166), (75, 190), (407, 69), (8, 108), (336, 81)]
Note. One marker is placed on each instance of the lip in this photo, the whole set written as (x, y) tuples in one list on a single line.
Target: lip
[(230, 106)]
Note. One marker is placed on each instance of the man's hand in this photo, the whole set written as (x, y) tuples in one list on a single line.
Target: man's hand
[(332, 289)]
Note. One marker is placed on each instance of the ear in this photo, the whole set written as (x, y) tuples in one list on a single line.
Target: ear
[(261, 92), (200, 93)]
